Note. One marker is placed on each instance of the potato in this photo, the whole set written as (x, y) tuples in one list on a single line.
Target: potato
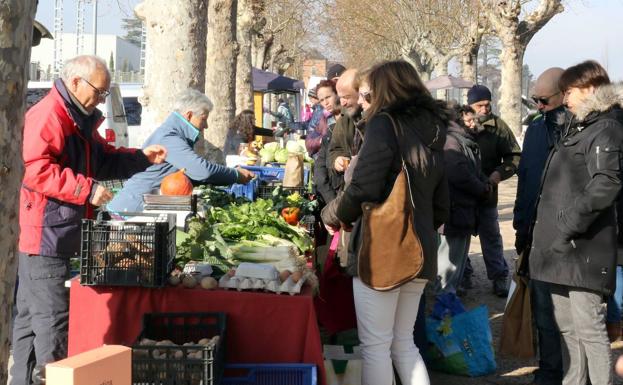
[(147, 341), (204, 341), (164, 342), (156, 354), (283, 276), (208, 283), (296, 276), (189, 281), (174, 280), (178, 354)]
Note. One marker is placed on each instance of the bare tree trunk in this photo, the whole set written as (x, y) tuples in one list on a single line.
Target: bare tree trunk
[(515, 36), (441, 69), (220, 74), (413, 57), (16, 19), (244, 78), (510, 88), (260, 46), (175, 56)]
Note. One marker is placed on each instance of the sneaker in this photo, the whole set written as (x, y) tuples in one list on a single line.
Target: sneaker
[(500, 288), (467, 282)]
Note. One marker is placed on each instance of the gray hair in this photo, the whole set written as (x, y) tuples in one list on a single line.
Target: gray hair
[(82, 66), (193, 101)]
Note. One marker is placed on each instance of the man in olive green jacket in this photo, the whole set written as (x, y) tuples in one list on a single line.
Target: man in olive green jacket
[(343, 144), (500, 157)]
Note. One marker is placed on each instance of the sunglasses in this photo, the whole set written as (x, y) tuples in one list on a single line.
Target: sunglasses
[(101, 93), (367, 96), (544, 101)]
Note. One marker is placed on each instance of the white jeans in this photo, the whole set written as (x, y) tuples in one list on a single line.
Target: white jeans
[(385, 321)]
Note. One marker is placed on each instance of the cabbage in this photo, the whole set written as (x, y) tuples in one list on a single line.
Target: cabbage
[(267, 155), (271, 147), (294, 147), (281, 156)]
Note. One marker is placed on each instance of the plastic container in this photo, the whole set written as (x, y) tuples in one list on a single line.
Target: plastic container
[(114, 185), (265, 191), (308, 222), (274, 174), (135, 252), (270, 374), (248, 190), (180, 328)]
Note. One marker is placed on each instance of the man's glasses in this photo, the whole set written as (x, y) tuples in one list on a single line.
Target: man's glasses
[(101, 93), (544, 101), (367, 96)]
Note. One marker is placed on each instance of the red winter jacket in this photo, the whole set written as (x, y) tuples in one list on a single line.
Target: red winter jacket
[(64, 155)]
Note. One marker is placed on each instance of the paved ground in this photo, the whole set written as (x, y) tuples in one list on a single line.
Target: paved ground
[(510, 371)]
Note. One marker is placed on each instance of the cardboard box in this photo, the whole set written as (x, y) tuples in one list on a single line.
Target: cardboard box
[(108, 365)]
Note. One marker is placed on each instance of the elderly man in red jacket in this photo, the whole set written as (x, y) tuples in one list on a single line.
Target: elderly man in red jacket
[(64, 157)]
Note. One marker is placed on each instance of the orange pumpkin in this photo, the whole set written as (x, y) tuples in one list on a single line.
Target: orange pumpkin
[(176, 184)]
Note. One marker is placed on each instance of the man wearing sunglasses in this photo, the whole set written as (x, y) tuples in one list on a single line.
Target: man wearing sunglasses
[(64, 158), (541, 136)]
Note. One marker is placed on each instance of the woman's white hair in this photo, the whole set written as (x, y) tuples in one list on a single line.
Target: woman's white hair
[(193, 101), (82, 66)]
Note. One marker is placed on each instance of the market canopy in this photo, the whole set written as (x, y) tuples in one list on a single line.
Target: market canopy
[(447, 81), (264, 81)]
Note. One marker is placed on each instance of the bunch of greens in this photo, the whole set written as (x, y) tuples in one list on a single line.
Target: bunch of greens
[(247, 232), (216, 197), (251, 221)]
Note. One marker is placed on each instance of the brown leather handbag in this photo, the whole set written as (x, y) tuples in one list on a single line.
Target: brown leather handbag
[(391, 252)]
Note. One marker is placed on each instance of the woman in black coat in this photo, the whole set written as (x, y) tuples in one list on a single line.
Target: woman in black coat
[(385, 319), (575, 244)]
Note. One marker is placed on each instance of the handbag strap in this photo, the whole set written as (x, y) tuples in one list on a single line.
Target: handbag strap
[(402, 159)]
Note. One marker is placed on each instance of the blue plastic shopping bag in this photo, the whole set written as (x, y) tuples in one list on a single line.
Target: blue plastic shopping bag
[(461, 344)]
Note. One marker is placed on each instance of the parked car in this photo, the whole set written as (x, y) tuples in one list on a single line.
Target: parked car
[(114, 129)]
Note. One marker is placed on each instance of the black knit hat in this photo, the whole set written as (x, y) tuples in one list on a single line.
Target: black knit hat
[(478, 93), (335, 71), (312, 93)]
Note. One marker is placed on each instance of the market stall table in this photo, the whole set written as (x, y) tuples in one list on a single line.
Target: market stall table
[(261, 327)]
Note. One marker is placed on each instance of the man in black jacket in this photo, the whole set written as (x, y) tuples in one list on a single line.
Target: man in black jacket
[(574, 245), (542, 134)]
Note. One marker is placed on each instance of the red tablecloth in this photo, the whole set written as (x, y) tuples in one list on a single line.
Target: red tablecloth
[(261, 327)]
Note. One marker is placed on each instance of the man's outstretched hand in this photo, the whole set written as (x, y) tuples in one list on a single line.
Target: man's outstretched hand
[(155, 153)]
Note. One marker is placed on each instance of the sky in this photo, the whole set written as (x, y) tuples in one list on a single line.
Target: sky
[(587, 29)]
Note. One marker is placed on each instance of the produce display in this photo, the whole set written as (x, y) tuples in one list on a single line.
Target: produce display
[(248, 232), (167, 349)]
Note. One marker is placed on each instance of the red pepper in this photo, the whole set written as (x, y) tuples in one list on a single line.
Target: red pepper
[(291, 215)]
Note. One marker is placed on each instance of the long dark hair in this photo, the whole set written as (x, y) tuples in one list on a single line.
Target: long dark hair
[(244, 124), (394, 84), (396, 88)]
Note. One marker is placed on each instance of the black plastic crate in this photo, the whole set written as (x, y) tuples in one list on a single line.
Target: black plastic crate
[(309, 223), (134, 252), (114, 185), (179, 328), (266, 191)]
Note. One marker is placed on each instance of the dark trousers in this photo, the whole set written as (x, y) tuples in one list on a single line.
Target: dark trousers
[(491, 244), (550, 355), (40, 327)]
